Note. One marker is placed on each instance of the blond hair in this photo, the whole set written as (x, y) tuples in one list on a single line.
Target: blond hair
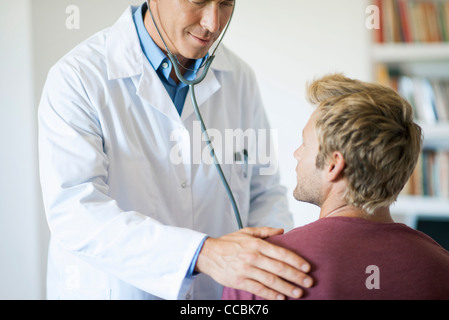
[(372, 126)]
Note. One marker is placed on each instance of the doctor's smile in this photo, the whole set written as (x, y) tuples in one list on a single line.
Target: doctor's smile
[(202, 41)]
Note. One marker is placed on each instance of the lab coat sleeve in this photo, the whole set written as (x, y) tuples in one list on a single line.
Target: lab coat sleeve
[(82, 217)]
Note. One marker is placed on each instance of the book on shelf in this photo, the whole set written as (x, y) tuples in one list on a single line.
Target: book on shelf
[(412, 21), (431, 175), (429, 97)]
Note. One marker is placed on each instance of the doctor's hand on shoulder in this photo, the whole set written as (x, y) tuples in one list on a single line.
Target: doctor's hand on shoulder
[(244, 260)]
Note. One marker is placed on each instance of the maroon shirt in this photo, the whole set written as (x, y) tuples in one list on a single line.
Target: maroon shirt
[(410, 265)]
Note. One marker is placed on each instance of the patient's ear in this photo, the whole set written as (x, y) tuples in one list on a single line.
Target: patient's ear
[(335, 167)]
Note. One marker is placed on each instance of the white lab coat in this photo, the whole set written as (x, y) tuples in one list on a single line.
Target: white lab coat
[(125, 219)]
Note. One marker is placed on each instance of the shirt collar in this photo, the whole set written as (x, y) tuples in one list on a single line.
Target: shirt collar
[(149, 47)]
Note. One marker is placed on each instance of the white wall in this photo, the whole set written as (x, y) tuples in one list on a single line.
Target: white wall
[(287, 42), (19, 227), (51, 37)]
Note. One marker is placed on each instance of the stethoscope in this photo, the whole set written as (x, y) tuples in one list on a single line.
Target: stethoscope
[(191, 84)]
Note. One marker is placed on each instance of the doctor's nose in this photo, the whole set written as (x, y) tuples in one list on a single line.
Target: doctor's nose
[(211, 18)]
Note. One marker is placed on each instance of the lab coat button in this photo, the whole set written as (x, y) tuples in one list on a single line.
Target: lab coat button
[(184, 185), (188, 296)]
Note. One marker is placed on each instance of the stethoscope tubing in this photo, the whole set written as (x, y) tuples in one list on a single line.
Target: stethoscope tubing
[(214, 157)]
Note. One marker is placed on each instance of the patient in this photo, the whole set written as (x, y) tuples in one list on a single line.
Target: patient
[(359, 148)]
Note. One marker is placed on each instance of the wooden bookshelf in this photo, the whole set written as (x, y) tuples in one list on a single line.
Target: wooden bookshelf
[(399, 53), (398, 50), (413, 21), (436, 136), (422, 206)]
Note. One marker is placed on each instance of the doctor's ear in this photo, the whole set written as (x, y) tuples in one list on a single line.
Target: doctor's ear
[(335, 166)]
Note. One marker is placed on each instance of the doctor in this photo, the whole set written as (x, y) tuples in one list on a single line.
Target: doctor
[(128, 222)]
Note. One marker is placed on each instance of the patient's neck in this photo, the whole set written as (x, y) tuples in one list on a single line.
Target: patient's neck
[(381, 215)]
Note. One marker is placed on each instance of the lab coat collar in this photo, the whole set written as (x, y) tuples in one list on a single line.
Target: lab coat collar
[(221, 61), (122, 58)]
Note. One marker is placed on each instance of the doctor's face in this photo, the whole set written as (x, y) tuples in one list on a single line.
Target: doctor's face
[(309, 178), (190, 27)]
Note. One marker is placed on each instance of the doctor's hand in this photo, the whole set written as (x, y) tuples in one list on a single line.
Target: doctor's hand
[(243, 260)]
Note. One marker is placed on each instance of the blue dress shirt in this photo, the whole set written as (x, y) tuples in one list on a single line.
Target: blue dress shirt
[(162, 64)]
